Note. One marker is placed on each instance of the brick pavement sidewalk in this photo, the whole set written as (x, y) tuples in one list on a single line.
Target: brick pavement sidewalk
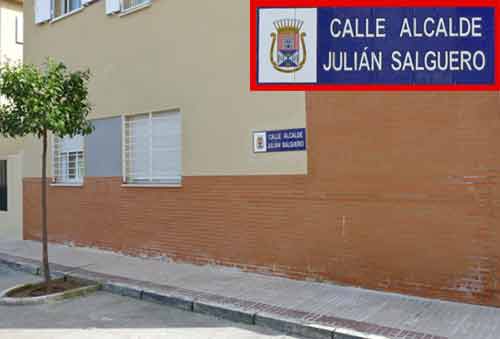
[(299, 307)]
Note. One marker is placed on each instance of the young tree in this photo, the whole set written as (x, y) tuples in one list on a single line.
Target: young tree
[(40, 101)]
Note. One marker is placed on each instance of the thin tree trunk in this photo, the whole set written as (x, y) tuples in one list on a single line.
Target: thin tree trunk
[(46, 269)]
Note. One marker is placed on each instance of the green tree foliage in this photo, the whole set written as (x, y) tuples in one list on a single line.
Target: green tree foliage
[(51, 99), (42, 101)]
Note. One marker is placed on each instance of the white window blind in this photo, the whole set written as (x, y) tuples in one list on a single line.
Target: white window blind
[(68, 160), (43, 10), (152, 148)]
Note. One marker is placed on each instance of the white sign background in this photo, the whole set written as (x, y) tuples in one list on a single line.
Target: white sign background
[(267, 73)]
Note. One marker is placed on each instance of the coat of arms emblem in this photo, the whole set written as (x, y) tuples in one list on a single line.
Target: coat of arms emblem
[(291, 41)]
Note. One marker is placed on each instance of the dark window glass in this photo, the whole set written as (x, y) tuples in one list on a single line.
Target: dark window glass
[(3, 185)]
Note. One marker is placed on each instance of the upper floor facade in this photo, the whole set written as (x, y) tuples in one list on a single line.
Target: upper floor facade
[(192, 57)]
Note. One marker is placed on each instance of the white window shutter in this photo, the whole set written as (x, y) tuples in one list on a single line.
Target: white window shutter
[(166, 146), (112, 6), (43, 11)]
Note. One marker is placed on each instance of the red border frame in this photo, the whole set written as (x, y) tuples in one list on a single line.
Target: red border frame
[(254, 4)]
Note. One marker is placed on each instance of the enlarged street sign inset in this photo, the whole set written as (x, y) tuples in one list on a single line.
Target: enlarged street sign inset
[(377, 46)]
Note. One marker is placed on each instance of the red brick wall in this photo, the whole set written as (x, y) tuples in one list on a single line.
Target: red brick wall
[(416, 176), (402, 195)]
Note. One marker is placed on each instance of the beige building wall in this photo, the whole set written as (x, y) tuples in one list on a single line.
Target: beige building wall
[(193, 55), (11, 50), (10, 47)]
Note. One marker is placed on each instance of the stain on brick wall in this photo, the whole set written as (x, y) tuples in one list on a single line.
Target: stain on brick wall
[(402, 195)]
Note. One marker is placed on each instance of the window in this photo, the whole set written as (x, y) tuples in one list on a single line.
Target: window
[(51, 10), (68, 160), (19, 30), (62, 7), (152, 148), (129, 4), (3, 185)]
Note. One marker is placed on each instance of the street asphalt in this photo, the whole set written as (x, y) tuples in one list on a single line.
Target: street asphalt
[(103, 315)]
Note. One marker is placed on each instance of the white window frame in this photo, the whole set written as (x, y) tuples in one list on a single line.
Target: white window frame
[(59, 165), (6, 159), (148, 181)]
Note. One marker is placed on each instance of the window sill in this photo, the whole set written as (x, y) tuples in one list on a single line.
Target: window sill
[(66, 185), (135, 9), (64, 16), (179, 185)]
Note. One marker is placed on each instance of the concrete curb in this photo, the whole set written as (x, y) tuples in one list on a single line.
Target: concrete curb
[(228, 312), (23, 267), (225, 311), (343, 333), (177, 301), (122, 289), (79, 292), (293, 327)]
